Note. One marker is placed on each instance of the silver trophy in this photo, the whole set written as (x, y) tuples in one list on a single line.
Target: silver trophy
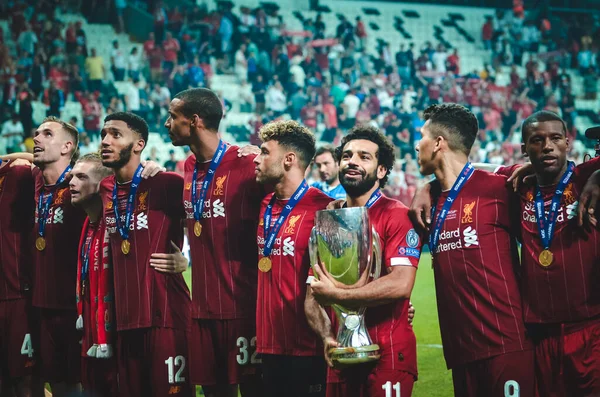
[(350, 250)]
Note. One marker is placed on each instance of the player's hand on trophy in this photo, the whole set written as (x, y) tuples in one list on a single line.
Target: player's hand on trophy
[(323, 288), (169, 263), (588, 201), (420, 209), (248, 150), (522, 175), (411, 313), (329, 343), (336, 204), (151, 169)]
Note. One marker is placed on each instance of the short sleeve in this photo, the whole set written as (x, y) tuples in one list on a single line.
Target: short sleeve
[(402, 244), (507, 170), (584, 170)]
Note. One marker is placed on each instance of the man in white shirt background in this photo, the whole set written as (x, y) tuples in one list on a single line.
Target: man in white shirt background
[(12, 135)]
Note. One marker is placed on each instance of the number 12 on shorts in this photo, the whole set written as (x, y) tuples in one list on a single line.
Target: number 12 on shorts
[(175, 377), (390, 389)]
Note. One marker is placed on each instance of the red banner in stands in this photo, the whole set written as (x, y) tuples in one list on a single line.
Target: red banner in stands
[(297, 33), (323, 43)]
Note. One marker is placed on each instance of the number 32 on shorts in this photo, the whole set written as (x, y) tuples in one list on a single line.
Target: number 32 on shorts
[(244, 354)]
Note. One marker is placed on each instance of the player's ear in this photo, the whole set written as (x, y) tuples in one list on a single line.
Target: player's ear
[(289, 158), (381, 172), (523, 150), (139, 145)]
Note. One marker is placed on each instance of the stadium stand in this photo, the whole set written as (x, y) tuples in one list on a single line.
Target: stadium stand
[(350, 62)]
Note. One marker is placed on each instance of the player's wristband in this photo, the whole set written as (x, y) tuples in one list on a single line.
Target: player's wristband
[(92, 351), (104, 351)]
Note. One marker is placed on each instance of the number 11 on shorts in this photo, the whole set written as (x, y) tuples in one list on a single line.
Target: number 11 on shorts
[(387, 386)]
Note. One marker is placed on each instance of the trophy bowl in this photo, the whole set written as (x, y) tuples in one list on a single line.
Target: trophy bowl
[(349, 249)]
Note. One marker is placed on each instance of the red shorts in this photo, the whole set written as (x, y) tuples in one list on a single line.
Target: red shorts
[(16, 350), (497, 376), (99, 377), (60, 351), (153, 362), (569, 365), (223, 352), (366, 381)]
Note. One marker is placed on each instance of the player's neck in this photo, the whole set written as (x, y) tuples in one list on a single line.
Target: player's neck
[(126, 173), (334, 184), (551, 179), (93, 208), (285, 188), (361, 200), (204, 147), (51, 172), (450, 168)]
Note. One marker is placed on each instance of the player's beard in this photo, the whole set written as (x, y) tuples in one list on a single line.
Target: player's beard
[(332, 178), (358, 187), (124, 157)]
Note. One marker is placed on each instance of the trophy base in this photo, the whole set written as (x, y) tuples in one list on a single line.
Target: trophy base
[(354, 355)]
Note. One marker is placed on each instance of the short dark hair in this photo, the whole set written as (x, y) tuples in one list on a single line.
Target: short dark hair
[(540, 117), (73, 134), (133, 121), (455, 123), (327, 149), (203, 102), (385, 150), (292, 135)]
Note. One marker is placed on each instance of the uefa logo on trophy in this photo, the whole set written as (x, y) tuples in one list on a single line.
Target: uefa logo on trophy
[(349, 249)]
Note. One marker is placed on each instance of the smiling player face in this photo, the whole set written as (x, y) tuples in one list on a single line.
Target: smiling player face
[(359, 168)]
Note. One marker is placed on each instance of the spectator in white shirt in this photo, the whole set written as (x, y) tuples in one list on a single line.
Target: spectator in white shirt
[(275, 99), (12, 134), (298, 72), (117, 60), (351, 104), (439, 59), (241, 63), (132, 97), (134, 60)]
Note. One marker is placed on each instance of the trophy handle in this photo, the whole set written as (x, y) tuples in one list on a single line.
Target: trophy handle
[(312, 251), (376, 259)]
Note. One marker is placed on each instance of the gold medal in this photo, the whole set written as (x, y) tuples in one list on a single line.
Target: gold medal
[(546, 257), (125, 247), (197, 228), (40, 243), (264, 264)]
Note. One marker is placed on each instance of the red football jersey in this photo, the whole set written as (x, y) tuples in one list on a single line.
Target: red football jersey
[(16, 223), (55, 268), (224, 256), (281, 325), (145, 297), (388, 324), (567, 290), (475, 265)]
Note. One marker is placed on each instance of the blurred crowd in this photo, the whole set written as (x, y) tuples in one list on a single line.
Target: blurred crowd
[(329, 82)]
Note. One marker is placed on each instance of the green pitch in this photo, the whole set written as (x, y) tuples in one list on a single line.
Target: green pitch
[(434, 379)]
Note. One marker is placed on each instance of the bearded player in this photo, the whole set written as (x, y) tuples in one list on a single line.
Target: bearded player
[(292, 354), (366, 159), (152, 308), (328, 166), (222, 202), (56, 234), (17, 356), (560, 262)]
